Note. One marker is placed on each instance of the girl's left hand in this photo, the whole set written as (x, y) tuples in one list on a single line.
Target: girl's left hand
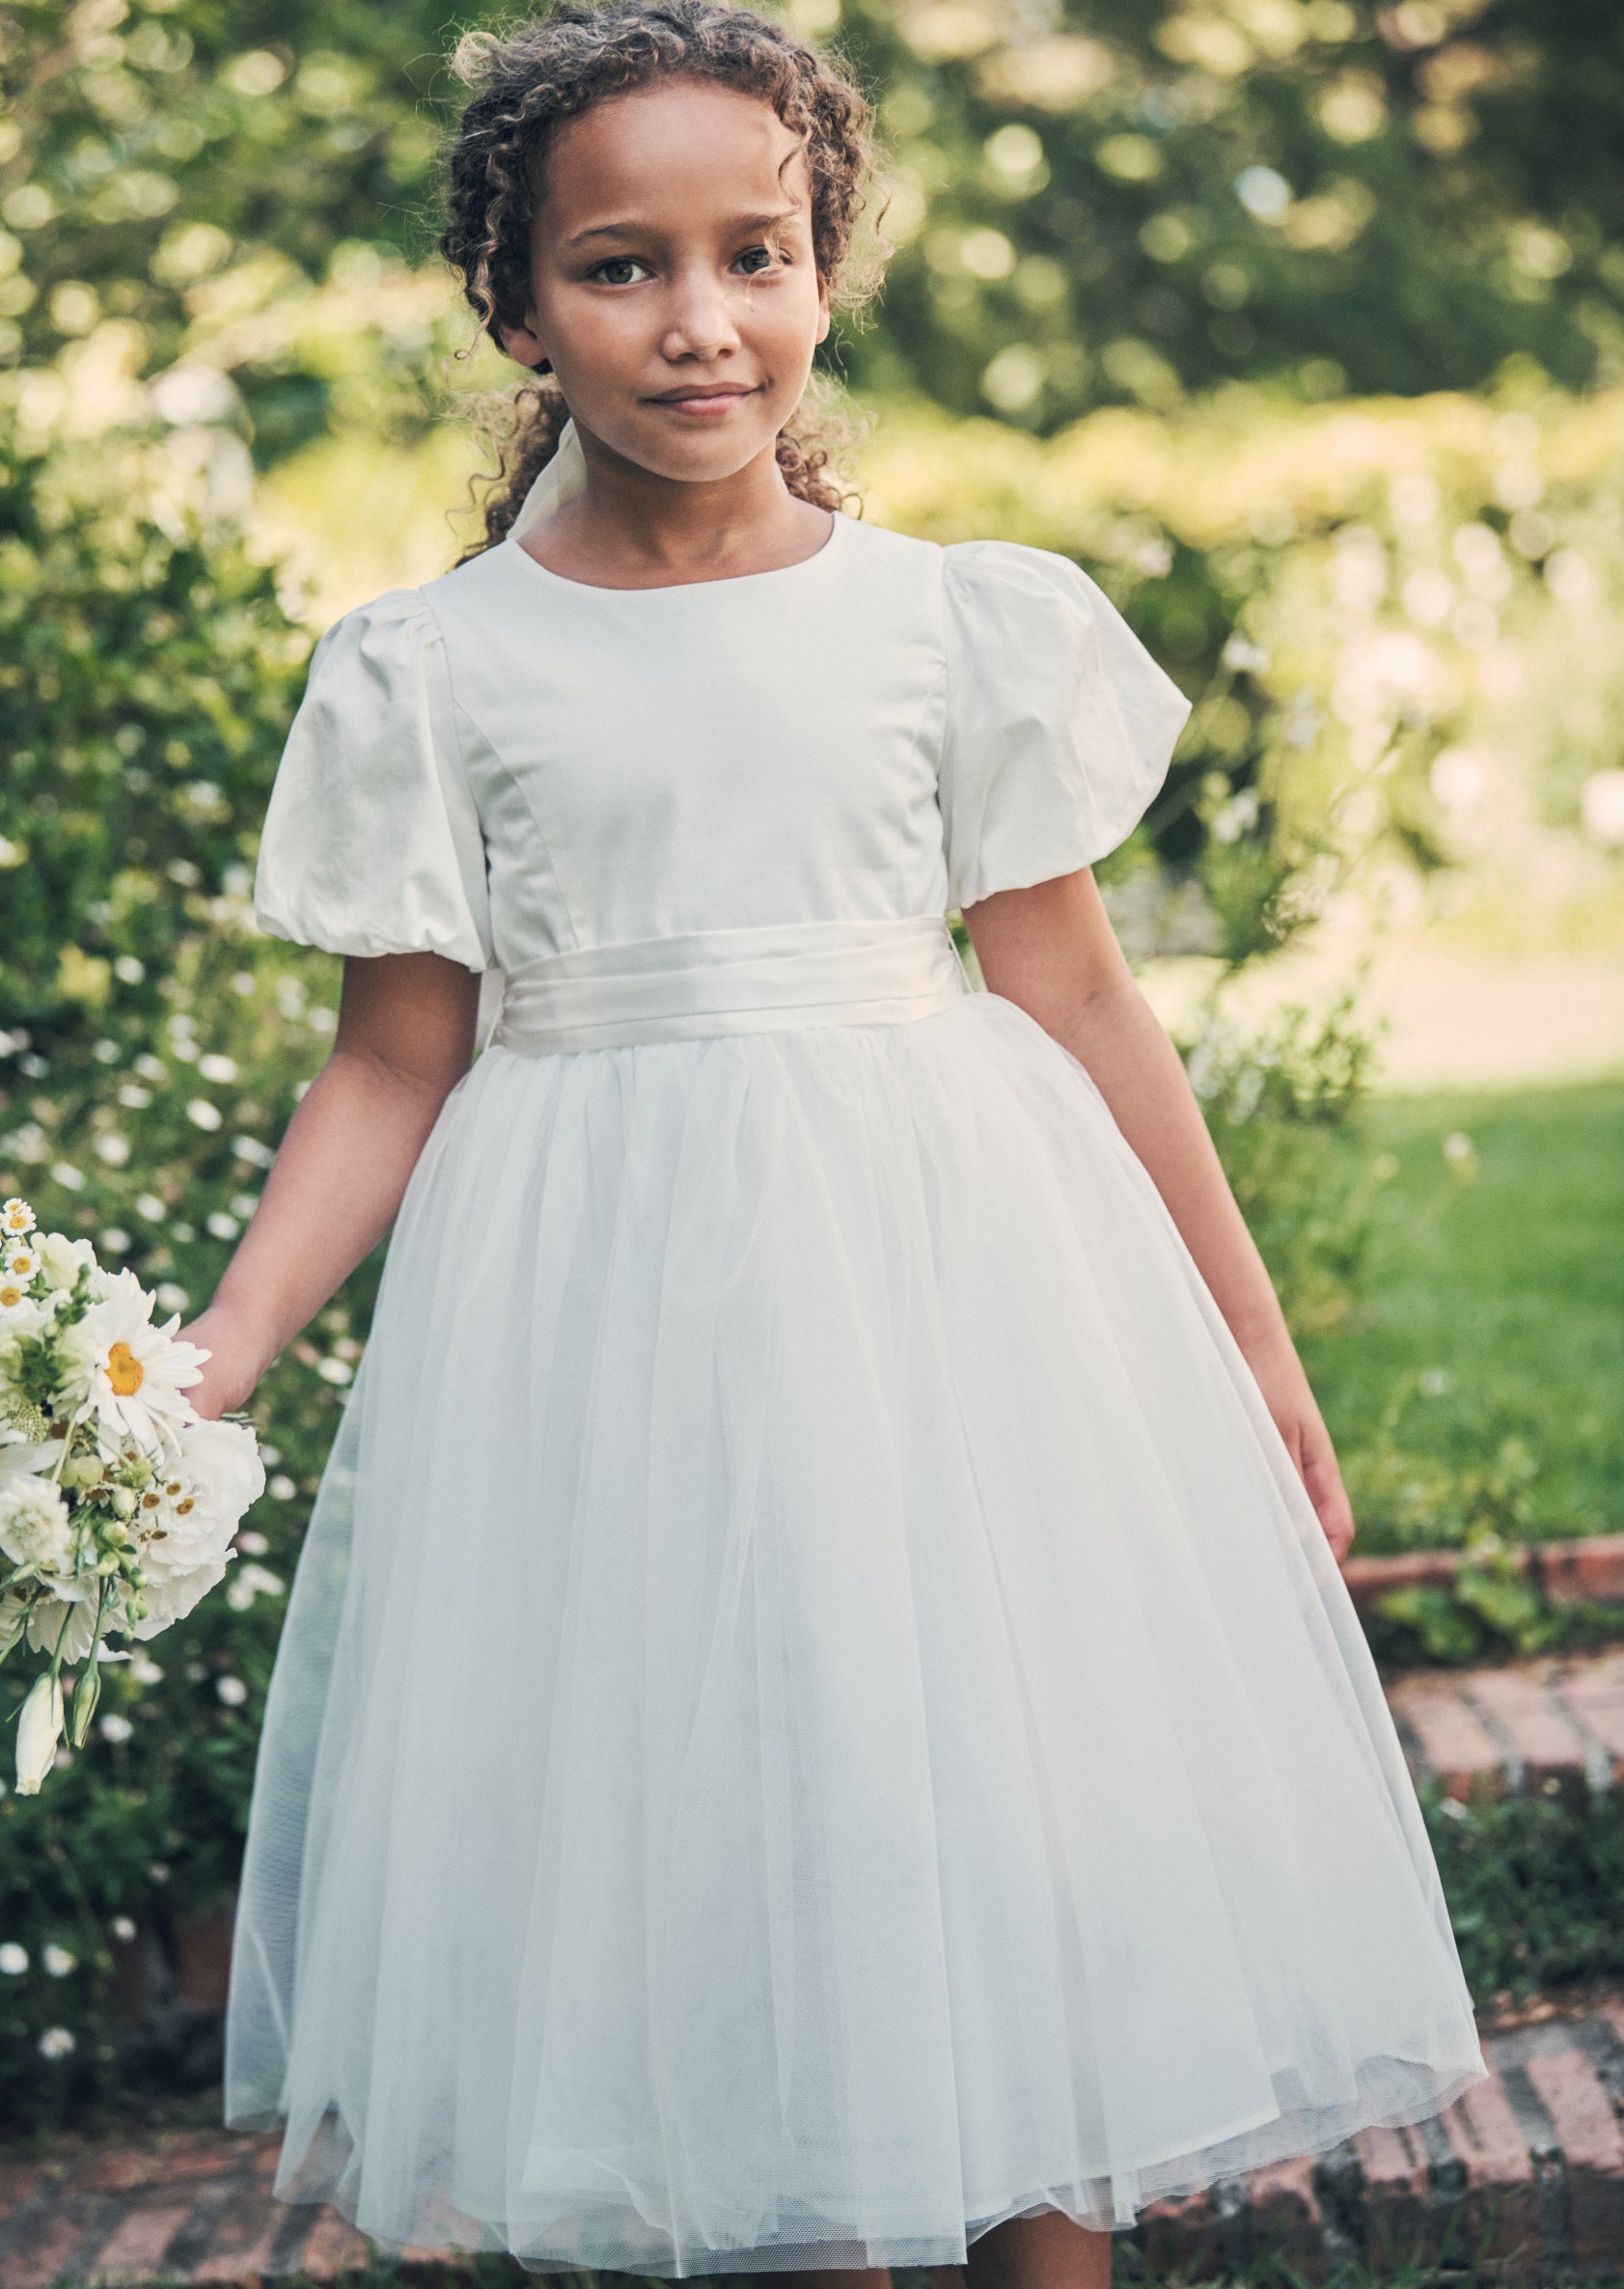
[(1285, 1392)]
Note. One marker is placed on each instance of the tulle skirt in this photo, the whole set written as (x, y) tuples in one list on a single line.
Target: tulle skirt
[(815, 1715)]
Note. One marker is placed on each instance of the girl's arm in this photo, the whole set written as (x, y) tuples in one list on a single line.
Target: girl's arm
[(405, 1038), (1051, 950)]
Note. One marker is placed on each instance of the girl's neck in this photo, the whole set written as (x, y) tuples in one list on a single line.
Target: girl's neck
[(632, 528)]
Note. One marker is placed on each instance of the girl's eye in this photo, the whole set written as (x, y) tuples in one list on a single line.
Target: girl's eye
[(617, 271), (758, 260)]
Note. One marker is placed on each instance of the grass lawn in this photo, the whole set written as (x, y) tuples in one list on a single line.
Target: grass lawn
[(1484, 1369)]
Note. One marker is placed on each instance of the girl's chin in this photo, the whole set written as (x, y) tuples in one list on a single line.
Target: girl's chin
[(701, 448)]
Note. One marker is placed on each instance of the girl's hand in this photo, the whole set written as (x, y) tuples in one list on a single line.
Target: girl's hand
[(237, 1363), (1278, 1371)]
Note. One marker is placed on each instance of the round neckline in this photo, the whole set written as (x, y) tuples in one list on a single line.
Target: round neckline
[(682, 588)]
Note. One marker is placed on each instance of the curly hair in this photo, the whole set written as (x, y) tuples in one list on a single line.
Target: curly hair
[(527, 82)]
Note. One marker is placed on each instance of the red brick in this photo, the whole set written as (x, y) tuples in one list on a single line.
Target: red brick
[(1401, 2224), (1370, 1580), (1590, 1570), (1501, 2219), (46, 2246), (333, 2246), (244, 2234), (1539, 1731), (1285, 2216), (114, 2169), (194, 2154), (135, 2251), (1595, 1695), (19, 2179), (1592, 2149), (1451, 1736)]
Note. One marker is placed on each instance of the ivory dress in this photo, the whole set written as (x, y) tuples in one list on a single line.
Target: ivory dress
[(815, 1715)]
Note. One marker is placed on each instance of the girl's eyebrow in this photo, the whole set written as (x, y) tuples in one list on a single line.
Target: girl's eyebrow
[(638, 230)]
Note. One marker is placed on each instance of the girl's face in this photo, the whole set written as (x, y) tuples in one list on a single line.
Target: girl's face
[(672, 283)]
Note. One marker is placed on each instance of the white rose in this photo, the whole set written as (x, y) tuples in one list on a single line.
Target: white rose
[(63, 1257), (18, 1454), (221, 1462), (33, 1523), (77, 1609), (38, 1730), (171, 1597)]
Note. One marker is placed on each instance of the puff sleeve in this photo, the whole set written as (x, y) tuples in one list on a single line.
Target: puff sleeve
[(1060, 724), (371, 843)]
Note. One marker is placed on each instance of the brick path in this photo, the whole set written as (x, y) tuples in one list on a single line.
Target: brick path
[(1526, 2171), (1552, 1726)]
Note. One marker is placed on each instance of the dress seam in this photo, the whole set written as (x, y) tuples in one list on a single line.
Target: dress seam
[(941, 690), (462, 714)]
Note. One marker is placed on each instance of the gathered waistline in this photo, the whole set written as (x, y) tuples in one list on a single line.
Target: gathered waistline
[(778, 977)]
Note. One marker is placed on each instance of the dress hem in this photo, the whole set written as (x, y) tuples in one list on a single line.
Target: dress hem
[(945, 2247)]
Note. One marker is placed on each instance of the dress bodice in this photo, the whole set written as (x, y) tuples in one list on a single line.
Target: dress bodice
[(506, 765)]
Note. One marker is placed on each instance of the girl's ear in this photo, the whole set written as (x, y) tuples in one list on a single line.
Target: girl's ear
[(822, 309), (523, 345)]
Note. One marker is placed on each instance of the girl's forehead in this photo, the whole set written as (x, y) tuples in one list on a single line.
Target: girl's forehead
[(673, 143)]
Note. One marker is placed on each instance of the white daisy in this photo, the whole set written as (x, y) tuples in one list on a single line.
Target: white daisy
[(16, 1218), (19, 1314), (133, 1376), (19, 1262)]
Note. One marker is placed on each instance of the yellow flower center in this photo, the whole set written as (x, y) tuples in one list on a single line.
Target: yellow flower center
[(181, 1508), (9, 1298), (125, 1371)]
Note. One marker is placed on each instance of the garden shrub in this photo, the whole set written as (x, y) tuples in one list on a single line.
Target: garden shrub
[(151, 1048)]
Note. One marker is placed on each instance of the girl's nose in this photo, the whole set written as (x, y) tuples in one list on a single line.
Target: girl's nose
[(700, 318)]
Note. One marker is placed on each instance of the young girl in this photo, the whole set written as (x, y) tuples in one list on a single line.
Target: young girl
[(818, 1726)]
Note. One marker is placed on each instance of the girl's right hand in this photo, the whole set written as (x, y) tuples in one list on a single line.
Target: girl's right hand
[(236, 1361)]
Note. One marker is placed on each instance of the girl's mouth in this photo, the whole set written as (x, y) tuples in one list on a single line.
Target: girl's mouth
[(705, 404)]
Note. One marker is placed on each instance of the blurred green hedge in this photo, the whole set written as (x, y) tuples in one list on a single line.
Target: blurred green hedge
[(151, 1051)]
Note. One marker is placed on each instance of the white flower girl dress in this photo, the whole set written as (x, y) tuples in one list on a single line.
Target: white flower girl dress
[(814, 1714)]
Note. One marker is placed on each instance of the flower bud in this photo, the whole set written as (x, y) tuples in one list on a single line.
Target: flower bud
[(38, 1729), (123, 1501), (83, 1470), (86, 1694)]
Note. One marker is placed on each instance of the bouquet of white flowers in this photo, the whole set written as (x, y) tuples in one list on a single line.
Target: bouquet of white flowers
[(118, 1503)]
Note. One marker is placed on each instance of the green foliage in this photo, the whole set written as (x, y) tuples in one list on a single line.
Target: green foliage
[(146, 683), (1144, 200), (1283, 1105), (1473, 1395), (143, 1084), (1113, 209), (1536, 1887)]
